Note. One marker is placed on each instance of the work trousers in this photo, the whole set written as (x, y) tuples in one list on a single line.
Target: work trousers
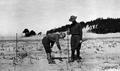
[(75, 45), (47, 44)]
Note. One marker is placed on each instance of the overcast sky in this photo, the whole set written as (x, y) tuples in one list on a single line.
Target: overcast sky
[(42, 15)]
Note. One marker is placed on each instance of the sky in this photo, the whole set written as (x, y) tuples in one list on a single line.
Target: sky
[(43, 15)]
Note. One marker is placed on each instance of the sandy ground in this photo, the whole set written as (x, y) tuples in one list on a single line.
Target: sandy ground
[(97, 54)]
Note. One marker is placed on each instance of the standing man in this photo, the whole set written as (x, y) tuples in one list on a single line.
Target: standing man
[(76, 38), (48, 42)]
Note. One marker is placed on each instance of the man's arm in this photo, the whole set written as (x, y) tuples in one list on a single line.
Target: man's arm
[(68, 31), (52, 44), (58, 45), (57, 42)]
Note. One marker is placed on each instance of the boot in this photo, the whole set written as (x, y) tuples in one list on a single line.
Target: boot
[(78, 56), (72, 56), (49, 58), (72, 59)]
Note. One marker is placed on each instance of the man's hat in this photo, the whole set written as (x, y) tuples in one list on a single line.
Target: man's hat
[(72, 17)]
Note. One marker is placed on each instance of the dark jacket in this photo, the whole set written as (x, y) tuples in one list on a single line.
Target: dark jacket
[(76, 29)]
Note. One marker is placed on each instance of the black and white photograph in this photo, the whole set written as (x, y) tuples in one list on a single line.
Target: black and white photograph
[(59, 35)]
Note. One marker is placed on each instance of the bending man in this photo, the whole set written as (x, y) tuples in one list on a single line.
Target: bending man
[(48, 42)]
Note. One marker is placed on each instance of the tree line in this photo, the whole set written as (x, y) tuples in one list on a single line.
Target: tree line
[(99, 26), (103, 26)]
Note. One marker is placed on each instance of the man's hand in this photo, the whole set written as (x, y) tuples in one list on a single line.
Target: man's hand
[(68, 32), (81, 41), (60, 51)]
